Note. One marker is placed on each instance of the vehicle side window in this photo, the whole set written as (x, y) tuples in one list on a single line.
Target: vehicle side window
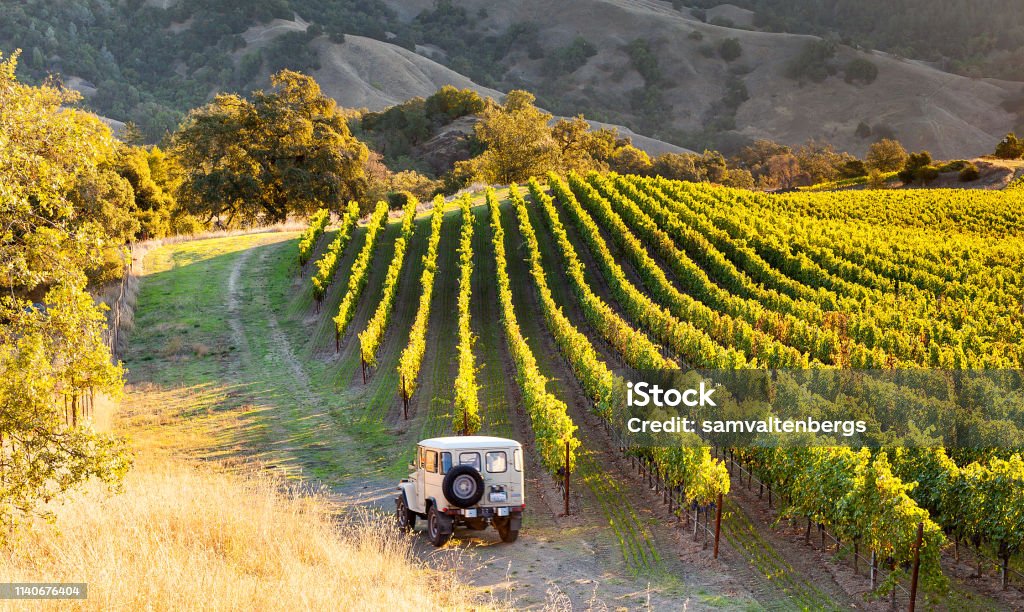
[(446, 462), (472, 459), (496, 461), (419, 458), (517, 459), (431, 462)]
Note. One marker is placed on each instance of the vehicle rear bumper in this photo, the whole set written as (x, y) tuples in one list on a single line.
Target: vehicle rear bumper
[(487, 512)]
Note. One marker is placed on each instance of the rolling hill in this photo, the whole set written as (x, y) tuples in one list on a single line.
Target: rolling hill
[(679, 89), (926, 108)]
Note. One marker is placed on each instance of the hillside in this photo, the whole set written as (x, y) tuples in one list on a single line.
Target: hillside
[(950, 115), (636, 63)]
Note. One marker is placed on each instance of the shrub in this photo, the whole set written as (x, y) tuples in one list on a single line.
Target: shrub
[(570, 58), (644, 61), (926, 174), (397, 200), (854, 168), (812, 62), (1010, 147), (969, 173), (862, 70), (914, 168), (887, 155), (953, 166), (876, 180), (187, 225), (730, 49)]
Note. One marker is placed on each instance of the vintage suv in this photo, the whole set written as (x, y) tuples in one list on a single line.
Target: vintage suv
[(464, 481)]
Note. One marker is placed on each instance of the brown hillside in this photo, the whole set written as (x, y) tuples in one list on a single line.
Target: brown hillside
[(950, 115)]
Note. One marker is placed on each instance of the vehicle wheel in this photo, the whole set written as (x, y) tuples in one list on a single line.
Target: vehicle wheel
[(406, 518), (505, 531), (463, 486), (437, 535)]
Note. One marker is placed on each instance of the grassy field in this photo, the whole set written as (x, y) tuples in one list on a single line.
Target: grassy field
[(232, 362), (212, 377)]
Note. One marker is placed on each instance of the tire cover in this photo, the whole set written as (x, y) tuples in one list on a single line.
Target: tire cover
[(463, 486)]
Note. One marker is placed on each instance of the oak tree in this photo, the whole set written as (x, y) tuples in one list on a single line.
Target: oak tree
[(287, 151)]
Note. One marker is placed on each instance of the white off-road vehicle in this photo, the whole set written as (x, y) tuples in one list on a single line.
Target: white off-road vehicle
[(464, 481)]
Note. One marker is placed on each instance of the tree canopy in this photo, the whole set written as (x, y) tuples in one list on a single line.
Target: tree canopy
[(287, 151), (57, 202), (518, 140)]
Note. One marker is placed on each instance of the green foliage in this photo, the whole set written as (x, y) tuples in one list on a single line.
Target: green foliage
[(307, 241), (918, 167), (735, 93), (466, 417), (151, 73), (597, 380), (286, 152), (692, 330), (397, 129), (371, 337), (634, 345), (360, 270), (471, 50), (154, 205), (648, 213), (922, 29), (859, 498), (860, 70), (291, 51), (644, 61), (812, 63), (569, 58), (55, 183), (518, 140), (1010, 147), (854, 168), (328, 262), (553, 429), (730, 49), (412, 356), (886, 155)]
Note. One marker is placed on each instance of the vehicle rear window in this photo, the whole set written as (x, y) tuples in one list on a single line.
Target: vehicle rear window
[(497, 462), (446, 462), (431, 463), (472, 459), (517, 459)]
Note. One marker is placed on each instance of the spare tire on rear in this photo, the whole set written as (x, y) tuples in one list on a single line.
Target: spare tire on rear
[(463, 486)]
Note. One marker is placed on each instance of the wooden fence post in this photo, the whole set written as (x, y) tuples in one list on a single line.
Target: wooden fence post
[(718, 523), (874, 570), (567, 477), (405, 400), (917, 567)]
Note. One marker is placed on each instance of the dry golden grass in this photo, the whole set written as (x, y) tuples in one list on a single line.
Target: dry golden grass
[(184, 536)]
